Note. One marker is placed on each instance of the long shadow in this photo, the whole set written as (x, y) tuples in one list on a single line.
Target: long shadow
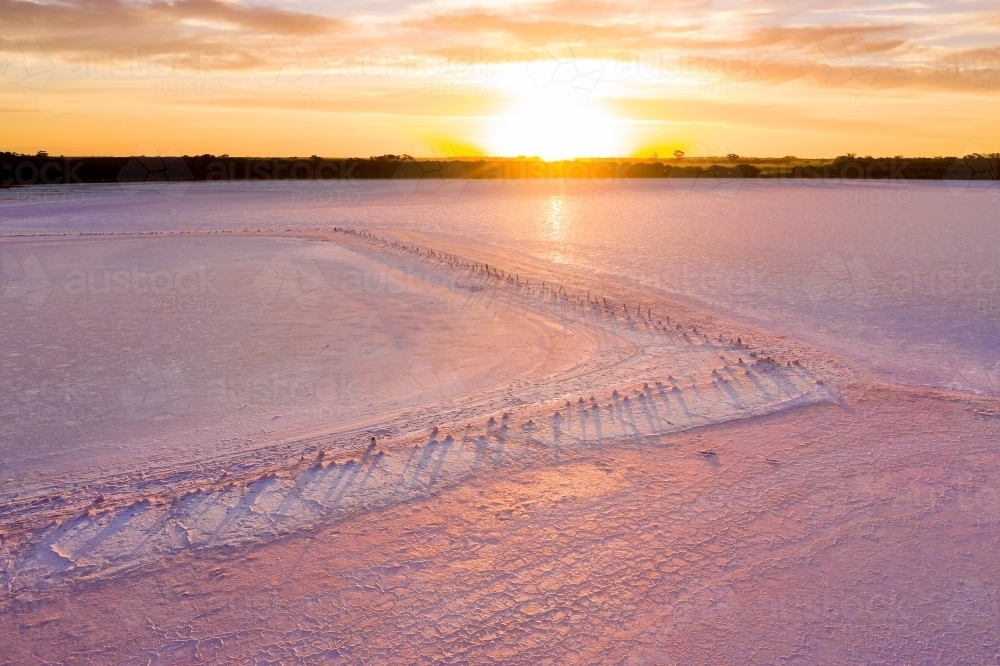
[(664, 398), (406, 467), (617, 414), (678, 395), (723, 386), (238, 511), (109, 530), (695, 394), (302, 485), (425, 458), (581, 417), (366, 458), (465, 436), (711, 458), (782, 382), (605, 325), (595, 412), (653, 426), (449, 441), (556, 421), (530, 428), (207, 502), (728, 369), (649, 404), (372, 464), (482, 447), (627, 410), (339, 473), (760, 387), (501, 437)]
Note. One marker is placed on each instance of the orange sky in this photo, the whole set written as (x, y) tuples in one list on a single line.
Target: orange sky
[(561, 78)]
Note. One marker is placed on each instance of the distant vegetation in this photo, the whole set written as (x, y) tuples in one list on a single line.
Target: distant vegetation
[(42, 168)]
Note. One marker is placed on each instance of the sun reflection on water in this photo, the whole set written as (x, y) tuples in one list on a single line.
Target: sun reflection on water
[(556, 218)]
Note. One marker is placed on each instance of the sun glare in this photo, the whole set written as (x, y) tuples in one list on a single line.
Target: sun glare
[(555, 126)]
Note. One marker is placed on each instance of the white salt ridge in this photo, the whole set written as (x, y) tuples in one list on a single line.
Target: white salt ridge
[(684, 381), (95, 545)]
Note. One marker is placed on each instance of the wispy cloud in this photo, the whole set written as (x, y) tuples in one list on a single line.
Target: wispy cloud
[(465, 57)]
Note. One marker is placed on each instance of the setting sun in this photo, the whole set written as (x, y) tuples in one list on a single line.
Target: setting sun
[(556, 125)]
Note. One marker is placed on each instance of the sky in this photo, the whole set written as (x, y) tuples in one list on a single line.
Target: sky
[(556, 79)]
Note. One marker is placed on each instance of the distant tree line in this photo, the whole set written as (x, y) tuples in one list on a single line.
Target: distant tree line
[(41, 168)]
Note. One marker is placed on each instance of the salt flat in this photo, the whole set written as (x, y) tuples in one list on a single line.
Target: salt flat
[(571, 460)]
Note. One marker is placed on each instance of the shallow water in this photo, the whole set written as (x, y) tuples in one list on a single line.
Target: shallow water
[(901, 277)]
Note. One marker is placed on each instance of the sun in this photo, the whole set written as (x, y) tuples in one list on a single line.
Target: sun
[(556, 125)]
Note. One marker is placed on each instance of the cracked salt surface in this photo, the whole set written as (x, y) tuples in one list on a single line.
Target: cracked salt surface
[(566, 351), (188, 477)]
